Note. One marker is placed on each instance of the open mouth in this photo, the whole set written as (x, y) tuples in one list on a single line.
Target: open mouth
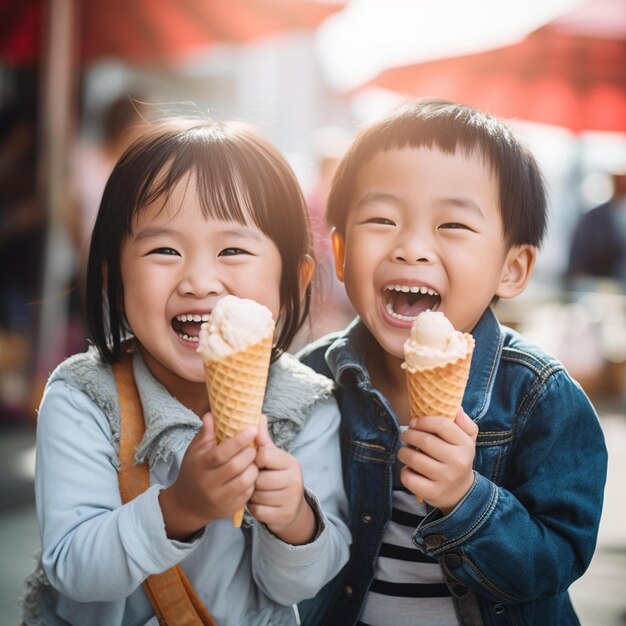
[(187, 326), (405, 302)]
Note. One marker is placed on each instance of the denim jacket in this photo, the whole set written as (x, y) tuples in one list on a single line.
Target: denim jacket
[(528, 526)]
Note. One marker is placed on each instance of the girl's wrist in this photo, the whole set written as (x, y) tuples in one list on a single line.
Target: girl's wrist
[(302, 529), (179, 524)]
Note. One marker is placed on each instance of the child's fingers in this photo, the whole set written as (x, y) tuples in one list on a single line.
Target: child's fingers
[(240, 443), (206, 435), (263, 438), (466, 424)]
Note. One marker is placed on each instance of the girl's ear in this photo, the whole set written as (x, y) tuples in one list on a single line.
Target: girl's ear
[(307, 267), (517, 270), (339, 252)]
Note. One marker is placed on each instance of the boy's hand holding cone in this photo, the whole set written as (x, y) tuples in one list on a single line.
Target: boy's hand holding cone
[(236, 346), (437, 363)]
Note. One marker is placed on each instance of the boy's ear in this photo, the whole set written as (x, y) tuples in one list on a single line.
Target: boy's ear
[(339, 252), (307, 267), (517, 270)]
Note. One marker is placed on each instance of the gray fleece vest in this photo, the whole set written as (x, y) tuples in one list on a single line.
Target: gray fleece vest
[(292, 391)]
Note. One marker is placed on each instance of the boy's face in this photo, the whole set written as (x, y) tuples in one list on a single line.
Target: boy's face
[(424, 231)]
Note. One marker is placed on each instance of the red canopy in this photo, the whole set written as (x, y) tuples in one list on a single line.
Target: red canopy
[(149, 32), (555, 76)]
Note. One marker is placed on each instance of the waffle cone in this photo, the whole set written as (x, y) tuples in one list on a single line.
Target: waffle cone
[(236, 386), (439, 390)]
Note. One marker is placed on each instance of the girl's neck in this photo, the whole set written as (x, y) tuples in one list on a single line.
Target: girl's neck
[(390, 379), (192, 395)]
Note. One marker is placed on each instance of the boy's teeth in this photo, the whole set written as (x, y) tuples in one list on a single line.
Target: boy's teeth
[(193, 318), (187, 338), (412, 289), (391, 312)]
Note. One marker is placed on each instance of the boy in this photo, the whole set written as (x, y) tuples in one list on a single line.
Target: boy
[(439, 207)]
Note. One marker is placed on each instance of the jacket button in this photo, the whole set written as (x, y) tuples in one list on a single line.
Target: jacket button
[(434, 541), (452, 559), (498, 609), (459, 590), (348, 591), (366, 518)]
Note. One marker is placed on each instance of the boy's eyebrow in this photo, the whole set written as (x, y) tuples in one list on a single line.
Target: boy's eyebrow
[(376, 196), (462, 203)]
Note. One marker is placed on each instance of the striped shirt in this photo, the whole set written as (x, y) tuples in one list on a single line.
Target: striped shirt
[(409, 587)]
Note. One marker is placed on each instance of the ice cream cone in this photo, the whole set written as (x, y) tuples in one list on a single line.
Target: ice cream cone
[(236, 386), (438, 390)]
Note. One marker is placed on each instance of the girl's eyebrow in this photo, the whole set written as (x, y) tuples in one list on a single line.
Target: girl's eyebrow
[(153, 231), (232, 230)]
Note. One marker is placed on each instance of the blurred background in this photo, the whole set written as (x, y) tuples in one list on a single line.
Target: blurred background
[(77, 77)]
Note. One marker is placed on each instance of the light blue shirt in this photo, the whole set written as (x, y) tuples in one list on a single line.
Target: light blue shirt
[(96, 552)]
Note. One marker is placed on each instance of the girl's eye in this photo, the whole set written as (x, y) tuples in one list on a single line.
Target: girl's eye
[(232, 252), (165, 250), (380, 220)]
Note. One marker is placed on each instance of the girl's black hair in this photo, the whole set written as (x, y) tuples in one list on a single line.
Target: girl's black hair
[(450, 127), (240, 176)]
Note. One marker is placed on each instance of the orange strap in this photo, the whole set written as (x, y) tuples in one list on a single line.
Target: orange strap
[(173, 597)]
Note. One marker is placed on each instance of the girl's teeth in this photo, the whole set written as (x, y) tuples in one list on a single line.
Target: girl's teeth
[(193, 318), (187, 338)]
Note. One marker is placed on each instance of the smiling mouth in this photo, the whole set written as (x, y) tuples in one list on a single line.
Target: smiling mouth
[(404, 302), (187, 326)]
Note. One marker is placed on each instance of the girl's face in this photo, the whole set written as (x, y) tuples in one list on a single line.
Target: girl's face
[(175, 265)]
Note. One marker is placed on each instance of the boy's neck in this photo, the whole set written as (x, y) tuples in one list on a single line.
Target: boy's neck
[(389, 378)]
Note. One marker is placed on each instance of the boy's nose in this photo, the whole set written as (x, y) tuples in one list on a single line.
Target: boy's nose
[(413, 249)]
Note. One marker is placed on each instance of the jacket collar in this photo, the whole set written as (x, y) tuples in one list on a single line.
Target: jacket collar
[(347, 353)]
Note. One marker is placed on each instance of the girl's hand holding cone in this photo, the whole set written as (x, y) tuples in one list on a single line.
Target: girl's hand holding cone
[(214, 480), (278, 498)]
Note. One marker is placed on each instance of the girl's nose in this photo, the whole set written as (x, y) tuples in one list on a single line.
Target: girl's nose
[(200, 280)]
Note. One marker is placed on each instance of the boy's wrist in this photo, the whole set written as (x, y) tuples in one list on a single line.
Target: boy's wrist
[(464, 488)]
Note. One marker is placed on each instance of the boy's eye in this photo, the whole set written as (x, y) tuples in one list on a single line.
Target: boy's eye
[(455, 226), (165, 250), (232, 252)]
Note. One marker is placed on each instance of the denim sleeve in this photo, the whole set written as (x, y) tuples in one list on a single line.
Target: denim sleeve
[(535, 533)]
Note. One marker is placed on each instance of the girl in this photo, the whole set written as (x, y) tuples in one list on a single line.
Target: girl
[(194, 210)]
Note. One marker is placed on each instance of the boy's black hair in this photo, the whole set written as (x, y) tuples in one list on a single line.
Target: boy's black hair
[(240, 176), (450, 127)]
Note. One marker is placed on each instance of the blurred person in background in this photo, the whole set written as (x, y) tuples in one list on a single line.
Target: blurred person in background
[(22, 237), (598, 247), (331, 309), (120, 123)]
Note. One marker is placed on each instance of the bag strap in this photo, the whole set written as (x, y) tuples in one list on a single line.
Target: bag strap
[(173, 597)]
